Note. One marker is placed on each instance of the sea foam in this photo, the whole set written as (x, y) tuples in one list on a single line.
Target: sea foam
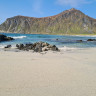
[(19, 37), (65, 48)]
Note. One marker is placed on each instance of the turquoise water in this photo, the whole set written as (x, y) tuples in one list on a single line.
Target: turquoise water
[(68, 41)]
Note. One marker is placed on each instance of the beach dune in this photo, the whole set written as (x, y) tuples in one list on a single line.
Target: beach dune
[(68, 73)]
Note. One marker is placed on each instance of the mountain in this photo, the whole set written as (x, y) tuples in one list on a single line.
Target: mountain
[(68, 22)]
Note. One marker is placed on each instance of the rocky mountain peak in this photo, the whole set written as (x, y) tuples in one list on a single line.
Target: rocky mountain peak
[(71, 21), (72, 9)]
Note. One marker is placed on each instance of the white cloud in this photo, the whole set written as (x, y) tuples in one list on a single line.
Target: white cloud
[(37, 6), (72, 3)]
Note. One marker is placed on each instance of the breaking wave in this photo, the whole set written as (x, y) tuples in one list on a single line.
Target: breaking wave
[(19, 37), (65, 48)]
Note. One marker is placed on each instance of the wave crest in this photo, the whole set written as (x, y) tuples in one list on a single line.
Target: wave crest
[(19, 37), (65, 48)]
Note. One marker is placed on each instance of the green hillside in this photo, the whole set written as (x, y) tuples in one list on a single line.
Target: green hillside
[(68, 22)]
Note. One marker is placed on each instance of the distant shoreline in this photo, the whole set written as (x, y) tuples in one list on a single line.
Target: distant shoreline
[(50, 34)]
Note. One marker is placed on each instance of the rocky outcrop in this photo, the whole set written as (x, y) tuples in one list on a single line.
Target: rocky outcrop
[(91, 40), (37, 47), (68, 22), (5, 38), (88, 40)]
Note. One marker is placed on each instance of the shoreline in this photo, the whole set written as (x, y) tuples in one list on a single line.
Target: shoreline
[(50, 34), (62, 49)]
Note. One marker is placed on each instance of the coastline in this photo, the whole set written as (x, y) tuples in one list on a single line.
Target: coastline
[(70, 73), (44, 33)]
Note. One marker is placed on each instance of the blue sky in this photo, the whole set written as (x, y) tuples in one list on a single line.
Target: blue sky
[(43, 8)]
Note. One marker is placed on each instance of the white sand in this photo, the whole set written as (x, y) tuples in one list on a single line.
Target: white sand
[(71, 73)]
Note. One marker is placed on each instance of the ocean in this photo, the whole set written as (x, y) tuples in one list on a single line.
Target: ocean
[(58, 40)]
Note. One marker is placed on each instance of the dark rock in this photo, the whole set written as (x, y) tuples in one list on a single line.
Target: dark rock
[(57, 39), (2, 37), (20, 47), (9, 38), (5, 38), (54, 48), (29, 46), (8, 46), (79, 40), (91, 40), (37, 47), (17, 45)]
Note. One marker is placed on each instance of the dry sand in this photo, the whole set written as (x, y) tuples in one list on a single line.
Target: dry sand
[(70, 73)]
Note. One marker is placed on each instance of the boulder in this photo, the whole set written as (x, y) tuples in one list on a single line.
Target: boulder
[(20, 47), (5, 38), (91, 40), (37, 47), (54, 48), (17, 45), (8, 46), (57, 39), (45, 49)]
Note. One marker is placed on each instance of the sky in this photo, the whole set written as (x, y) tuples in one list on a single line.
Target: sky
[(44, 8)]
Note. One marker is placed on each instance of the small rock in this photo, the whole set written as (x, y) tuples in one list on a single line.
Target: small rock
[(54, 49), (38, 48), (79, 40), (57, 39), (17, 45), (8, 46), (20, 47)]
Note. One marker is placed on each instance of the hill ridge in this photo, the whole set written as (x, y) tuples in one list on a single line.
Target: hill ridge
[(70, 21)]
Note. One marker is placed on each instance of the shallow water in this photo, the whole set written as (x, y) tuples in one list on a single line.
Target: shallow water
[(58, 40)]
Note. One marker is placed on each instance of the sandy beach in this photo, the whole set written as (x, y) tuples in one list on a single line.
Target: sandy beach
[(65, 73)]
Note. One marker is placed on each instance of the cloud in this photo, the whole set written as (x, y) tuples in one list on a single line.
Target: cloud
[(37, 6), (72, 3)]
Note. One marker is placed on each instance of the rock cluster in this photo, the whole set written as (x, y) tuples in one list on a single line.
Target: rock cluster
[(91, 40), (37, 47), (5, 38), (86, 40)]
